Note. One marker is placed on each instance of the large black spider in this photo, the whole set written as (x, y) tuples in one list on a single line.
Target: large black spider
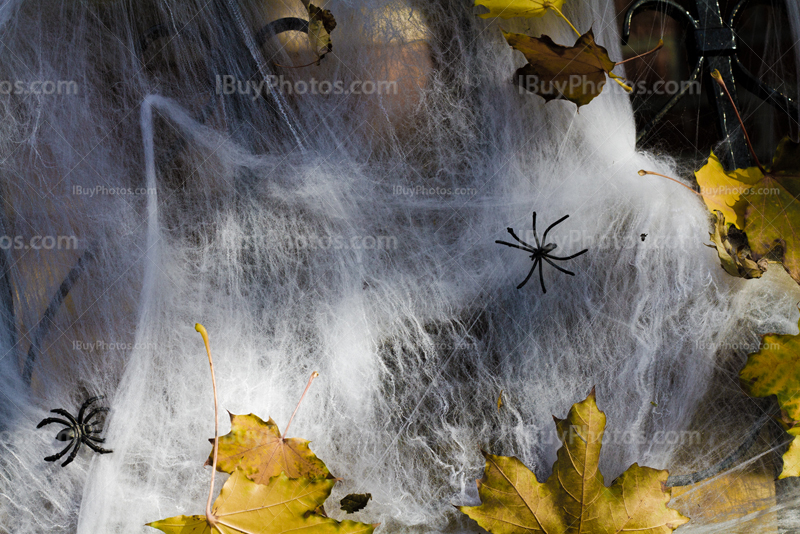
[(79, 430), (541, 254)]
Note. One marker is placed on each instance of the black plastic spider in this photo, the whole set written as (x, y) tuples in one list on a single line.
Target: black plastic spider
[(79, 430), (541, 254)]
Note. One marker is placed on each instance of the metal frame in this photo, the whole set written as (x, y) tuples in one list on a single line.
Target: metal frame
[(714, 46)]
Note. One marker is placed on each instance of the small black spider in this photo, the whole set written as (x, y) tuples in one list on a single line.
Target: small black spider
[(541, 254), (79, 430), (643, 236)]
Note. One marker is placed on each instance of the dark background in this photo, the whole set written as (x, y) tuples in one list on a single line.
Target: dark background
[(688, 131)]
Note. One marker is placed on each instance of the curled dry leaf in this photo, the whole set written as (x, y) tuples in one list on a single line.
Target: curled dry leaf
[(576, 73), (575, 498), (321, 24), (733, 249), (763, 205), (259, 450)]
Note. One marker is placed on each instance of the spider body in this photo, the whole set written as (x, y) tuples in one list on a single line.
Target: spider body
[(541, 253), (66, 435), (78, 430)]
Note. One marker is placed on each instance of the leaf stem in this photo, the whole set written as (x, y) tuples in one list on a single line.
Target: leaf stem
[(644, 172), (618, 79), (653, 51), (311, 379), (212, 520), (718, 78), (554, 8)]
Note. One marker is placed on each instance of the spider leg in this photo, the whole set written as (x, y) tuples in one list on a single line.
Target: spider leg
[(541, 277), (86, 405), (66, 414), (60, 454), (562, 219), (93, 413), (559, 268), (95, 448), (53, 420), (511, 231), (568, 257), (96, 440), (535, 263), (516, 246), (538, 245), (73, 453)]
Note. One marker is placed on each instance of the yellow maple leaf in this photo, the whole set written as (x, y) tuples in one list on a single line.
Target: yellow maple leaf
[(575, 498), (258, 448), (762, 204), (775, 370), (506, 9), (282, 505), (722, 191)]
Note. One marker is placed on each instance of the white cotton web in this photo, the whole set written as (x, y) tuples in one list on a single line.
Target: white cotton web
[(350, 233)]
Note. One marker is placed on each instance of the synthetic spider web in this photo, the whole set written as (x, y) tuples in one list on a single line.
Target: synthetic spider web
[(348, 233)]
